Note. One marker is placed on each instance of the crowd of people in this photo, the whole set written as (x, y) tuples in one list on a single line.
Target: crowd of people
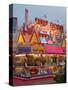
[(29, 65)]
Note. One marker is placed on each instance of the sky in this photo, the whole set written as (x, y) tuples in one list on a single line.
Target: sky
[(53, 13)]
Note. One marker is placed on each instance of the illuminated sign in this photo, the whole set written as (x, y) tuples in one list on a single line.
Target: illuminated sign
[(41, 21), (56, 26), (24, 49), (38, 48)]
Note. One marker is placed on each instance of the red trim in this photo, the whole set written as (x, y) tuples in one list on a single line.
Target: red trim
[(22, 81)]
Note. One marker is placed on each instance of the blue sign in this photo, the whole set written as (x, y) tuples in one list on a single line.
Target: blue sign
[(24, 49)]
